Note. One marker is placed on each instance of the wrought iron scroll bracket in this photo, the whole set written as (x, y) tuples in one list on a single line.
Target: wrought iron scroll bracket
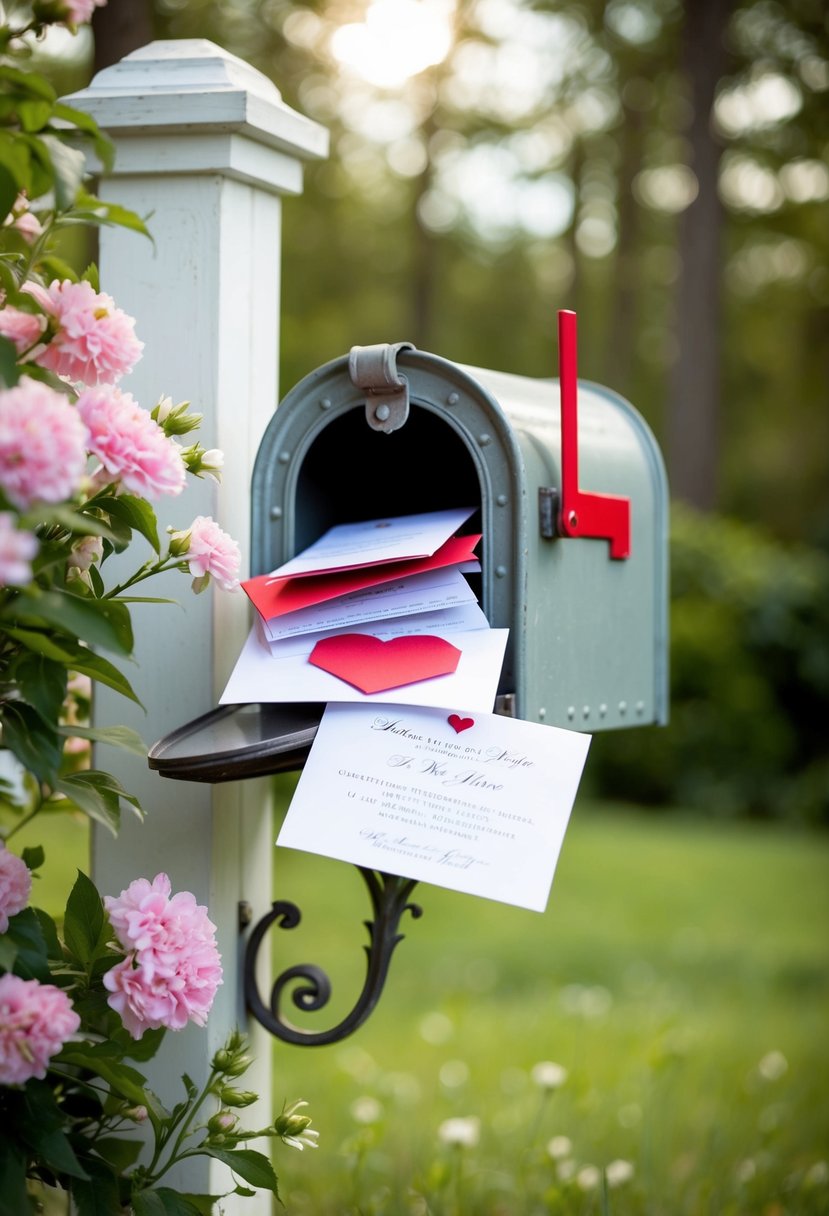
[(390, 898)]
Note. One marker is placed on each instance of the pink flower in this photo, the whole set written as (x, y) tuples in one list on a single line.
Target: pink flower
[(21, 218), (42, 445), (22, 328), (130, 445), (35, 1021), (15, 885), (212, 551), (17, 548), (172, 968), (93, 341), (79, 11)]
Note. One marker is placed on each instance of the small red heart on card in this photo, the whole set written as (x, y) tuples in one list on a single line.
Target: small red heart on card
[(458, 723), (372, 665)]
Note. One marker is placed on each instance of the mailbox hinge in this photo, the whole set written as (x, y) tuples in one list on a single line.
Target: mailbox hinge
[(374, 370)]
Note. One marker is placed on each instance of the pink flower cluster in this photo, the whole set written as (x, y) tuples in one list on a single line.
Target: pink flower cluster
[(212, 551), (172, 968), (131, 446), (42, 445), (17, 548), (22, 328), (92, 341), (22, 219), (15, 885), (35, 1021)]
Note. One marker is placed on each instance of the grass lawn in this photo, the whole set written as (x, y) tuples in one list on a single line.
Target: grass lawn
[(680, 975)]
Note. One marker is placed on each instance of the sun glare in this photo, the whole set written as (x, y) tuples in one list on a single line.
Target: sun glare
[(397, 39)]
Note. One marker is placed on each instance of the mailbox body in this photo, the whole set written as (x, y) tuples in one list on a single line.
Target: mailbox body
[(588, 634)]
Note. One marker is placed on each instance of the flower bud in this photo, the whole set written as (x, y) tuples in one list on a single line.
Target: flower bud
[(294, 1129), (236, 1097), (222, 1122), (174, 419), (203, 462), (179, 543), (238, 1065), (137, 1113)]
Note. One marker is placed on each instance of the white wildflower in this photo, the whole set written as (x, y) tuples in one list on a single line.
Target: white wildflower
[(460, 1132), (548, 1075)]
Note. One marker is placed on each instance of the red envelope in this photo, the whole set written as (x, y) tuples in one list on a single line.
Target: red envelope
[(275, 596), (374, 665)]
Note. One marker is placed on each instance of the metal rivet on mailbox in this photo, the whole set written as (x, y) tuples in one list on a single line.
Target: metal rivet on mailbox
[(325, 403), (502, 500), (453, 399), (382, 413), (276, 512), (484, 439), (500, 572), (284, 457)]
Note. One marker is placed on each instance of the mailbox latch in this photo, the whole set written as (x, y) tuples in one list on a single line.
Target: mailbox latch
[(374, 370)]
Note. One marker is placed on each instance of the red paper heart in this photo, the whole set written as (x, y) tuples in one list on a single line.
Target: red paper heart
[(372, 665), (458, 723)]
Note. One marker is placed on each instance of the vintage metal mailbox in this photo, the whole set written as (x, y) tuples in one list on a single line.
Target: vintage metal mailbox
[(571, 499), (572, 505)]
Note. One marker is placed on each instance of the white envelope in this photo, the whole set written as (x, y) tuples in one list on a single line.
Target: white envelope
[(396, 538), (258, 676)]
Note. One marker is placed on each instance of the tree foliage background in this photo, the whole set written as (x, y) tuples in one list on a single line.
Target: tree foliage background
[(663, 168)]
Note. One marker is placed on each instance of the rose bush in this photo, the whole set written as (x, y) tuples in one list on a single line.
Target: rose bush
[(86, 1000)]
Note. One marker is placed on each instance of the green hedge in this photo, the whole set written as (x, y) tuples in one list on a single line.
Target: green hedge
[(749, 682)]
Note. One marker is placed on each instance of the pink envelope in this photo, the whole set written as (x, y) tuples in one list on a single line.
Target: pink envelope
[(275, 596)]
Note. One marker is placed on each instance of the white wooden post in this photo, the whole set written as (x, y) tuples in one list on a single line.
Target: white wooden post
[(205, 147)]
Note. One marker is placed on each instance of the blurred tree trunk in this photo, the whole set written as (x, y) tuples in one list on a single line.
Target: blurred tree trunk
[(694, 400), (120, 27), (627, 281)]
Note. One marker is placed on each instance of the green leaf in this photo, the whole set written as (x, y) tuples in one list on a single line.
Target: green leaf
[(33, 856), (98, 211), (84, 921), (102, 145), (13, 1199), (124, 737), (92, 277), (100, 669), (34, 114), (140, 1049), (98, 622), (68, 167), (9, 370), (135, 512), (164, 1202), (8, 190), (126, 1081), (26, 936), (26, 734), (41, 643), (50, 934), (99, 796), (254, 1167), (8, 953), (54, 1149), (99, 1196), (120, 1154), (28, 82), (42, 684), (205, 1203)]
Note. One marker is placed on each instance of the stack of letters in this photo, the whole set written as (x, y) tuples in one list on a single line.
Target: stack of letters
[(373, 611)]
